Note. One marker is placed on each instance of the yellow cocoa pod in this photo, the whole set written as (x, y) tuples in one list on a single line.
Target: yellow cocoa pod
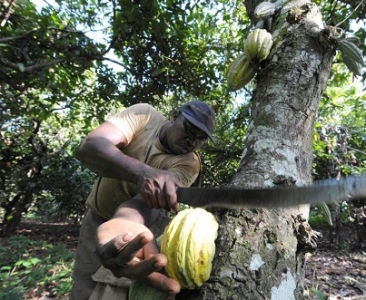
[(257, 45), (189, 244), (240, 72), (140, 290)]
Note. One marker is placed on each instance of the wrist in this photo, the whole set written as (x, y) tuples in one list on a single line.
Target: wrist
[(143, 173), (129, 214)]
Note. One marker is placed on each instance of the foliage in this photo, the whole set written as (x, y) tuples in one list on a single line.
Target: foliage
[(174, 46), (221, 159), (318, 294), (348, 15), (34, 268), (317, 220), (44, 68), (340, 136), (340, 132), (56, 86)]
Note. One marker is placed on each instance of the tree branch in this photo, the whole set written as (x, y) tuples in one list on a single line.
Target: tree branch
[(116, 62), (359, 4), (43, 64), (356, 150), (8, 13)]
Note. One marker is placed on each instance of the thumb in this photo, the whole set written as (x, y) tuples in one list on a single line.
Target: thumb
[(112, 247)]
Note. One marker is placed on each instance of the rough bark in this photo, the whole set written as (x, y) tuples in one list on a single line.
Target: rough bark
[(261, 253)]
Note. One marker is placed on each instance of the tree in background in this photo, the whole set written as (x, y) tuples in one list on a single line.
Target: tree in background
[(48, 71), (339, 140), (55, 80), (55, 86)]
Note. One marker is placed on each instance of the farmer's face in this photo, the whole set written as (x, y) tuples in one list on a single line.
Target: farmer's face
[(183, 137)]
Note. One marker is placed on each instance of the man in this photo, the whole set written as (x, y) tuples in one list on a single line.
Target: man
[(141, 158)]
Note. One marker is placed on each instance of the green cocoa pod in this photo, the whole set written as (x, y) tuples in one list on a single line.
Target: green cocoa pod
[(257, 45), (264, 10), (240, 72), (140, 290), (353, 39), (350, 50), (352, 65)]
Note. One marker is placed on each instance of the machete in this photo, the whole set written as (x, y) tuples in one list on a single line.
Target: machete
[(322, 191)]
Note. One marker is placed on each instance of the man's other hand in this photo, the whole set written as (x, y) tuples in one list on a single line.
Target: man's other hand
[(128, 249)]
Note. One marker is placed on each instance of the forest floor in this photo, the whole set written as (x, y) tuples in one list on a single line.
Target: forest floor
[(332, 273), (337, 272)]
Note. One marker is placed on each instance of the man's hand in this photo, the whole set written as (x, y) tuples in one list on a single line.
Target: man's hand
[(128, 250), (158, 189)]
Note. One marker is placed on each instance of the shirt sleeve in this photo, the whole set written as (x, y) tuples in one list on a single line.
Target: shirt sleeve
[(132, 120)]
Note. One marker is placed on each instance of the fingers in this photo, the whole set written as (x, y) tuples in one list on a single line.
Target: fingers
[(169, 195), (128, 251), (158, 190), (166, 197), (146, 267), (141, 268), (132, 254), (136, 258), (153, 196), (111, 248), (126, 242), (163, 283), (150, 249), (148, 270)]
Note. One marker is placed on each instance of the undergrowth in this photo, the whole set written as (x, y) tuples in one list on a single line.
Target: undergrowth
[(33, 268)]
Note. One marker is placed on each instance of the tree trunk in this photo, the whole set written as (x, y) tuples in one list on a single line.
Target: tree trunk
[(13, 213), (261, 253)]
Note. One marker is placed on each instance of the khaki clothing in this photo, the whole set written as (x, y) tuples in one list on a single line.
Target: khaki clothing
[(141, 125), (87, 260)]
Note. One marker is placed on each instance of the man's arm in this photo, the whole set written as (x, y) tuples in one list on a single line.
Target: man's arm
[(102, 152)]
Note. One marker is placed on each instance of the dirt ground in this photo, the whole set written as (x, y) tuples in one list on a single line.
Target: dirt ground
[(335, 273), (338, 271)]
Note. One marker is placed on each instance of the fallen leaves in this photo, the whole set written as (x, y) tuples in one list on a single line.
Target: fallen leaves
[(338, 274)]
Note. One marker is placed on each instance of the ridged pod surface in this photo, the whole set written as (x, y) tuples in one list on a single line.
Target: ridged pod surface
[(189, 244), (353, 39), (240, 72), (352, 65), (258, 44), (264, 9), (351, 50)]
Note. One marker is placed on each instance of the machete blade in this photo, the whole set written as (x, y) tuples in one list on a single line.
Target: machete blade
[(322, 191)]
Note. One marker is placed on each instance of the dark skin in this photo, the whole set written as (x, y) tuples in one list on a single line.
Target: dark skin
[(125, 243)]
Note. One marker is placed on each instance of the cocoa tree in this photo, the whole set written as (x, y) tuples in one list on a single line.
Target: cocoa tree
[(261, 253)]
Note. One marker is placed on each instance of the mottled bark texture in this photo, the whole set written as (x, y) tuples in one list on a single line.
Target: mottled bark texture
[(260, 253)]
